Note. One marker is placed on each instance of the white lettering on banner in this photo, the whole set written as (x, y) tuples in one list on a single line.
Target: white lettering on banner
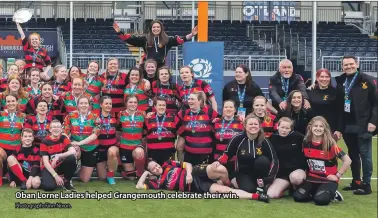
[(201, 68), (251, 10), (317, 165)]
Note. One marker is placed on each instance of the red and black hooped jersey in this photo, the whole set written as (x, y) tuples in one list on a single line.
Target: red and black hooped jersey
[(321, 163), (108, 130), (167, 137), (60, 88), (197, 129), (30, 155), (56, 109), (40, 130), (268, 124), (169, 92), (3, 84), (198, 85), (35, 58), (51, 146), (231, 128), (114, 87), (173, 178)]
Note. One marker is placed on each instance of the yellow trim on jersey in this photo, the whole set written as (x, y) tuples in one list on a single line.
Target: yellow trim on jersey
[(184, 165)]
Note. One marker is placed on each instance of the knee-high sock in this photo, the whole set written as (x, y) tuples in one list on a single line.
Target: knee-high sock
[(16, 169), (139, 166)]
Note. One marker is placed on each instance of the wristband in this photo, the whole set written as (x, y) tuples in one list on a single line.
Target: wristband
[(54, 175), (339, 174)]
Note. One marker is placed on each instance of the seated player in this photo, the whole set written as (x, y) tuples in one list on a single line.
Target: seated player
[(186, 178), (323, 175), (58, 158), (24, 163)]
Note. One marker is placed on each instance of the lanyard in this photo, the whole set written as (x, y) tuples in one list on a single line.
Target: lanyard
[(56, 87), (161, 90), (190, 89), (35, 55), (132, 121), (285, 86), (109, 84), (192, 121), (156, 44), (81, 122), (241, 96), (160, 125), (223, 129), (33, 90), (133, 89), (12, 121), (107, 126), (349, 87), (40, 131)]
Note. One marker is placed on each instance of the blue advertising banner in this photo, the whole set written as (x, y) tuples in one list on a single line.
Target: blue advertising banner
[(269, 10), (206, 61), (11, 43)]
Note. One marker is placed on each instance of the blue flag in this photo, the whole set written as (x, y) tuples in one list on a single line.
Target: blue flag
[(206, 61)]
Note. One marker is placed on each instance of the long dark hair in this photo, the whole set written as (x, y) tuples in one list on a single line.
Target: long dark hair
[(289, 109), (163, 37), (248, 81)]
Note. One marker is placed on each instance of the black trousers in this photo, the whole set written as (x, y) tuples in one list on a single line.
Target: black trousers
[(67, 168), (247, 180), (321, 193)]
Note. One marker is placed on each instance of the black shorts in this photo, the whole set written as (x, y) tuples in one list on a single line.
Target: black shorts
[(126, 155), (5, 163), (201, 182), (161, 155), (89, 158), (246, 182), (196, 159), (102, 153), (284, 174)]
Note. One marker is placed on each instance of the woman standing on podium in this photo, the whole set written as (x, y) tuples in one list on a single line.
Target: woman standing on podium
[(156, 43)]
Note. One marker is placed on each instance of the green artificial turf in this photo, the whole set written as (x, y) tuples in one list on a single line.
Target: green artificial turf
[(353, 206)]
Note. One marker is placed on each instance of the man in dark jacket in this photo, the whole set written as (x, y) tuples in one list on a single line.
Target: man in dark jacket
[(283, 82), (359, 121)]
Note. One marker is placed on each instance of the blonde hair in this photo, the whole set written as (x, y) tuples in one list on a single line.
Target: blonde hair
[(57, 68), (286, 119), (328, 140), (201, 96)]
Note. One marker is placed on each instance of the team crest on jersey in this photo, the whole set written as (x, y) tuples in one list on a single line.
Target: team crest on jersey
[(267, 119), (258, 151), (325, 97), (242, 152), (364, 85)]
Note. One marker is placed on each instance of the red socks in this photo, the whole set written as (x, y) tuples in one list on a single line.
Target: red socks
[(139, 166), (110, 174), (255, 196), (228, 183), (16, 169)]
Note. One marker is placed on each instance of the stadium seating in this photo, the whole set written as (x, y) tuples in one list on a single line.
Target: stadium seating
[(334, 39)]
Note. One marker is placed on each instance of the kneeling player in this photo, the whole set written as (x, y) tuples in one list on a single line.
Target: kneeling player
[(200, 179), (24, 164), (58, 158)]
